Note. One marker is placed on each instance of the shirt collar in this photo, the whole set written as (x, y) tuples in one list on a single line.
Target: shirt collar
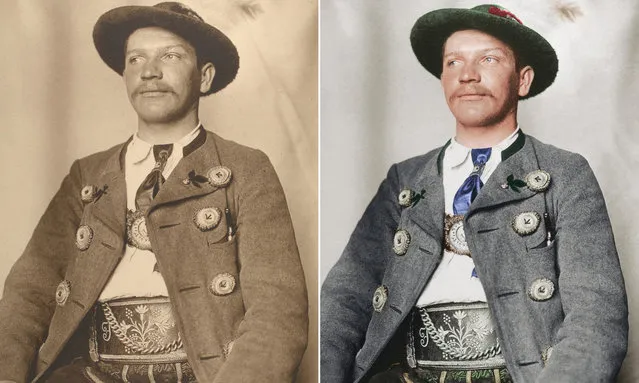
[(457, 153), (139, 149)]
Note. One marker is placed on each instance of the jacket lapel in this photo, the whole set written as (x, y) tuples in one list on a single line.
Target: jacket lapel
[(200, 162), (428, 213), (519, 164), (111, 207)]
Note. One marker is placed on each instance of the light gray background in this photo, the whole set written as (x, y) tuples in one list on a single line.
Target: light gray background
[(379, 106)]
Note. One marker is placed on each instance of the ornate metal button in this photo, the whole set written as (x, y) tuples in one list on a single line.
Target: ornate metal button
[(207, 218), (401, 242), (87, 194), (405, 197), (526, 223), (538, 180), (379, 298), (136, 231), (83, 237), (219, 176), (62, 292), (222, 284), (454, 235), (541, 289)]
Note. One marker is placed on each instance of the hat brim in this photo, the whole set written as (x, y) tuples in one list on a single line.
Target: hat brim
[(431, 31), (115, 26)]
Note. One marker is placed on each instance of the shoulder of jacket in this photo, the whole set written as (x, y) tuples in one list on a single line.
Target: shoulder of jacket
[(414, 166), (554, 157), (95, 163), (233, 152)]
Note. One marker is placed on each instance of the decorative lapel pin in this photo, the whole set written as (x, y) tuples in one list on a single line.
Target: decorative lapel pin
[(537, 181), (513, 183), (195, 179)]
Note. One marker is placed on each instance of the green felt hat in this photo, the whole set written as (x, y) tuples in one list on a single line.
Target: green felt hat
[(113, 29), (432, 29)]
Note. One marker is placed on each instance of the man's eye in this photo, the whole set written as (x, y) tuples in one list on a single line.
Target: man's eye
[(452, 62), (171, 56), (490, 59), (134, 59)]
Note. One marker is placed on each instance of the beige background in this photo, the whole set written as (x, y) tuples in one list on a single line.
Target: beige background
[(379, 106), (59, 102)]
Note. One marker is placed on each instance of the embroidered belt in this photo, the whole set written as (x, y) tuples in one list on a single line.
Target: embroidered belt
[(458, 336), (454, 236), (137, 339)]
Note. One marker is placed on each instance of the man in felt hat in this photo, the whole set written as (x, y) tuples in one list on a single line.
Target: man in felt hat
[(168, 258), (490, 259)]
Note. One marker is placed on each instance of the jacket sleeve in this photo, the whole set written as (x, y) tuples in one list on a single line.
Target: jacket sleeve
[(347, 292), (591, 343), (273, 335), (29, 292)]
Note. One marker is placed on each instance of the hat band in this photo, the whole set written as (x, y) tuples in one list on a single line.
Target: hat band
[(504, 13)]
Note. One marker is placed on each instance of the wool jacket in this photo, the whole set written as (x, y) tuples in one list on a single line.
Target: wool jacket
[(579, 334), (258, 332)]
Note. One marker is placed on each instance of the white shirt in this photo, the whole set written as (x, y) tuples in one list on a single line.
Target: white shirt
[(134, 275), (452, 281)]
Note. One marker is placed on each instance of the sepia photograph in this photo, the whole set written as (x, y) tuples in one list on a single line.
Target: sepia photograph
[(159, 166)]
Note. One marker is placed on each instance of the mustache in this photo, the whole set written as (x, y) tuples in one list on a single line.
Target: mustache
[(472, 90), (152, 87)]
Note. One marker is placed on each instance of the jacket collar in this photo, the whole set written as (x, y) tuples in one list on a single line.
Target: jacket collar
[(111, 208), (518, 159), (505, 153)]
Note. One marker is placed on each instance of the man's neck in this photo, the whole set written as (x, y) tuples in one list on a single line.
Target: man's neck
[(485, 136), (166, 133)]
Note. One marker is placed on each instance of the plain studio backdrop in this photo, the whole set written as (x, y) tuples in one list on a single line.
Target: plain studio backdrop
[(379, 106), (60, 102)]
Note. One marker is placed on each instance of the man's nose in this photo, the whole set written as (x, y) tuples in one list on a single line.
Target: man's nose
[(151, 69), (469, 73)]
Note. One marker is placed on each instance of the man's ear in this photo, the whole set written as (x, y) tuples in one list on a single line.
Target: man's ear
[(207, 73), (526, 76)]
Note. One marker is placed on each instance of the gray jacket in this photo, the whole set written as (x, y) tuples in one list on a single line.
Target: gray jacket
[(578, 335)]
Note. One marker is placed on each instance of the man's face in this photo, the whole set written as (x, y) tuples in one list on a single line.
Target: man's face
[(480, 78), (161, 75)]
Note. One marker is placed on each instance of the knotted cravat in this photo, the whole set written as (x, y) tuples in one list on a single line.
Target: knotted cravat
[(151, 184), (471, 186)]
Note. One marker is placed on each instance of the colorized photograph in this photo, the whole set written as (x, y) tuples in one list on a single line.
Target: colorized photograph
[(478, 195)]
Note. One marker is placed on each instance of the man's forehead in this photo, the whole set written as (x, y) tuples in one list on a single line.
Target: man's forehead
[(474, 40), (155, 37)]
